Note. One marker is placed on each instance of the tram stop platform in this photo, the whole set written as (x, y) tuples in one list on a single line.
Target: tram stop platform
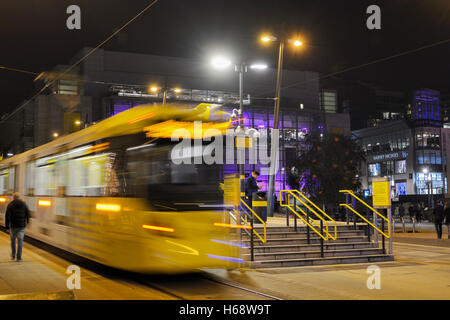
[(31, 278), (41, 275)]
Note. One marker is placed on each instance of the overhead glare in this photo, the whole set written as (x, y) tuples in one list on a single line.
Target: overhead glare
[(220, 63)]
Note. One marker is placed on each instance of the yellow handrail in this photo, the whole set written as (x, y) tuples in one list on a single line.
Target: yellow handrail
[(350, 192), (289, 192), (262, 221), (323, 212)]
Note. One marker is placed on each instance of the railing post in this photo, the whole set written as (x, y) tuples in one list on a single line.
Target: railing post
[(295, 216), (308, 235), (287, 211), (347, 218), (382, 237), (391, 231), (368, 226), (321, 239), (252, 247), (354, 214), (375, 231)]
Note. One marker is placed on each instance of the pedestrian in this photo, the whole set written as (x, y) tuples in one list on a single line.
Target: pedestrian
[(401, 211), (418, 213), (447, 218), (438, 218), (16, 218), (411, 211), (251, 186)]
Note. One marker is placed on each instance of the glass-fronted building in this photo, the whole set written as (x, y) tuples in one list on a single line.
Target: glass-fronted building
[(412, 153)]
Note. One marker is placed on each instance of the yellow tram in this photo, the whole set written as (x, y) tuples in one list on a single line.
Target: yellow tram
[(111, 193)]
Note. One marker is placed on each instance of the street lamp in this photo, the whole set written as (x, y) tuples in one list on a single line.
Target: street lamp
[(273, 155), (429, 187), (223, 63), (165, 89)]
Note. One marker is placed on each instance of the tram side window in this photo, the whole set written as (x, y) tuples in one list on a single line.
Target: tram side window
[(4, 175), (87, 176), (44, 179), (29, 179), (12, 180)]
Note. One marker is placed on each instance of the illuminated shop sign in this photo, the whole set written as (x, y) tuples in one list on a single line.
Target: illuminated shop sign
[(390, 156)]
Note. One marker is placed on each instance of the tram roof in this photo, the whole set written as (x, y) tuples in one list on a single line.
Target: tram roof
[(127, 122)]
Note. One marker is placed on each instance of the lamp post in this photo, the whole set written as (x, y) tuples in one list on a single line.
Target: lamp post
[(274, 153), (429, 187), (241, 68)]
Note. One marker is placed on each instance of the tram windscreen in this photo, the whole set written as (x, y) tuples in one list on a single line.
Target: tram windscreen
[(170, 186)]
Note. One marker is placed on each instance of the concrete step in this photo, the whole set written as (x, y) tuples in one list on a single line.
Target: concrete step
[(321, 261), (314, 254), (279, 235), (303, 240), (313, 247)]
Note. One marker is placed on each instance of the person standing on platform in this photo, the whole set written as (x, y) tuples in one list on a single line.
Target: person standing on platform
[(251, 186), (447, 218), (438, 218), (16, 219)]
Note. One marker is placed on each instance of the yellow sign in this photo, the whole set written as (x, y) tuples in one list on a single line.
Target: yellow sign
[(381, 192), (231, 190)]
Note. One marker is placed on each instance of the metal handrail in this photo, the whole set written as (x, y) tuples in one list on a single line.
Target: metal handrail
[(296, 213), (236, 220), (323, 212), (350, 192), (263, 240)]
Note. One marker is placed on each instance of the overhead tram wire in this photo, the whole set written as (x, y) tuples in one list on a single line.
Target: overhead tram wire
[(18, 70), (81, 59), (365, 64)]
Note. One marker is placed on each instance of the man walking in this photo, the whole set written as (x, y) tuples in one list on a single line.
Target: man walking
[(17, 217), (438, 218)]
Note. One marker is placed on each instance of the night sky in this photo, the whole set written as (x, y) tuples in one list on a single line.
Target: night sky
[(34, 36)]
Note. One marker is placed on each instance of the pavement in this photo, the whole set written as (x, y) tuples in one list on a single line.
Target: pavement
[(42, 276), (421, 270)]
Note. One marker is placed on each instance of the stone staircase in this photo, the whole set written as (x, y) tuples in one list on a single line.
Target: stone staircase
[(286, 247)]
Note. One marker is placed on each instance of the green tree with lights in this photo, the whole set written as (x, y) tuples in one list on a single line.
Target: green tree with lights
[(329, 164)]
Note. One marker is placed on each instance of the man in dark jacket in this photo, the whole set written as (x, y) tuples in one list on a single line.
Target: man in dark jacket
[(17, 217), (251, 186), (438, 218)]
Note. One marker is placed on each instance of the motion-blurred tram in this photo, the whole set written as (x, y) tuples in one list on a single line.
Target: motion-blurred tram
[(112, 194)]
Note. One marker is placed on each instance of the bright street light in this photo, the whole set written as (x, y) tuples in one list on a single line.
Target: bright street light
[(77, 122), (153, 89), (258, 66), (267, 38), (55, 135), (220, 62)]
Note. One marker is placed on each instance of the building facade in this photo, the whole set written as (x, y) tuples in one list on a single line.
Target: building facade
[(411, 152), (109, 82)]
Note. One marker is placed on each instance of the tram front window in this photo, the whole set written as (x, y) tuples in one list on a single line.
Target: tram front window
[(169, 186)]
